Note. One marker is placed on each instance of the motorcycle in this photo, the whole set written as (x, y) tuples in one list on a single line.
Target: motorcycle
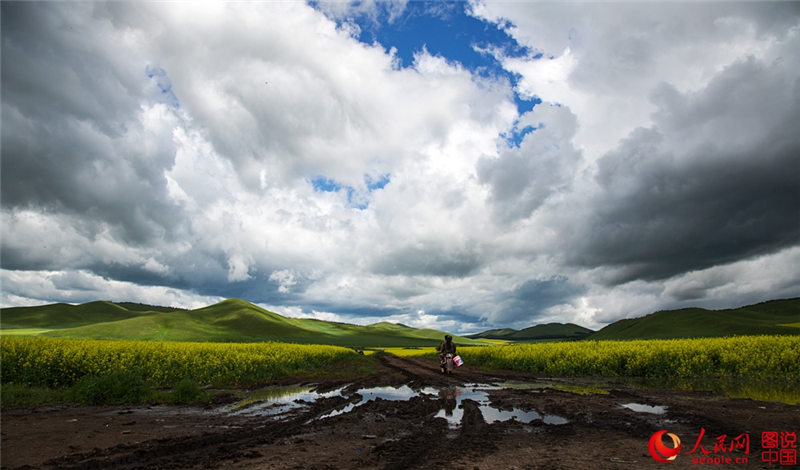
[(448, 365)]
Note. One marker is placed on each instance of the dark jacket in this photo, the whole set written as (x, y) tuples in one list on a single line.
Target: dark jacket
[(445, 347)]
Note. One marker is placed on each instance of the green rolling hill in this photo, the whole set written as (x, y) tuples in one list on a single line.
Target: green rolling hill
[(232, 320), (566, 331), (545, 332), (235, 320), (493, 334), (776, 317), (66, 315)]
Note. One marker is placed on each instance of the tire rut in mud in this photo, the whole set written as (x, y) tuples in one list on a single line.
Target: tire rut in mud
[(229, 444), (421, 372), (436, 445), (181, 452), (423, 431)]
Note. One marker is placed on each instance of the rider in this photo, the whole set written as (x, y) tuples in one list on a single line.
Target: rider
[(446, 346)]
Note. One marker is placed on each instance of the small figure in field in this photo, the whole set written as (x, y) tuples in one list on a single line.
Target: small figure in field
[(446, 347)]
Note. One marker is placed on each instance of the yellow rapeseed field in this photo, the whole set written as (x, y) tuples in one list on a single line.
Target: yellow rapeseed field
[(740, 356), (62, 362)]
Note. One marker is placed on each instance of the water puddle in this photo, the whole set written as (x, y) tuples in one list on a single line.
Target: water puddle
[(277, 401), (642, 408), (273, 401), (576, 388), (453, 410), (403, 393)]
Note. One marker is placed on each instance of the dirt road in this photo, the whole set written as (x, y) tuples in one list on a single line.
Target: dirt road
[(408, 416)]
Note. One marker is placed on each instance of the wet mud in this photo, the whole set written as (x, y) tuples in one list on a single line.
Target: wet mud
[(407, 416)]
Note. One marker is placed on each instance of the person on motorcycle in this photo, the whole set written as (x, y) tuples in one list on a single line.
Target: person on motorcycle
[(446, 346)]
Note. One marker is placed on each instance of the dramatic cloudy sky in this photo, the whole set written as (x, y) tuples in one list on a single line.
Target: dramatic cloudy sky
[(455, 165)]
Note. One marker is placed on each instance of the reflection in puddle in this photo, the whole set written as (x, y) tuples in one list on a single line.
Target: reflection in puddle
[(493, 415), (576, 388), (403, 393), (453, 410), (641, 408), (275, 401), (278, 400), (554, 419)]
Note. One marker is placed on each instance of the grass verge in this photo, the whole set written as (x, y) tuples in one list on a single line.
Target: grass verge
[(126, 388)]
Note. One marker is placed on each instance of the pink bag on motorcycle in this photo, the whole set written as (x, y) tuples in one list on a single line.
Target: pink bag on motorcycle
[(457, 361)]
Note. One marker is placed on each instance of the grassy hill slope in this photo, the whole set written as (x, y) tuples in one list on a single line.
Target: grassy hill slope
[(499, 333), (66, 315), (549, 331), (232, 320), (776, 317), (235, 320)]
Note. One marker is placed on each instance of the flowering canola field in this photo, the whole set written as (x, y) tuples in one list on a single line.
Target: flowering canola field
[(62, 362), (739, 356)]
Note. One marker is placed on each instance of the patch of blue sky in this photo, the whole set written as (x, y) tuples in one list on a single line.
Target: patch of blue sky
[(523, 105), (517, 135), (380, 183), (355, 199), (327, 185), (444, 29), (162, 81)]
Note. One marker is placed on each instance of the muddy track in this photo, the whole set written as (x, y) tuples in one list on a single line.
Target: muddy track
[(441, 421), (421, 372)]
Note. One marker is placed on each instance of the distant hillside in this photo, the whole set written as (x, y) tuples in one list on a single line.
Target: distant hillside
[(136, 307), (65, 315), (493, 334), (232, 320), (776, 317), (235, 320), (549, 331)]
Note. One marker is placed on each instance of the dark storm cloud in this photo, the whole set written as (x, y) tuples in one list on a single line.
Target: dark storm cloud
[(75, 137), (429, 259), (256, 289), (456, 316), (522, 178), (56, 66), (162, 152), (714, 181), (350, 309), (528, 302)]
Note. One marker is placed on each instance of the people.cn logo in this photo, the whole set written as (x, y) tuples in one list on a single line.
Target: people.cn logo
[(661, 452)]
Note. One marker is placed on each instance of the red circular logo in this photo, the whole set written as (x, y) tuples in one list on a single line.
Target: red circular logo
[(661, 452)]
